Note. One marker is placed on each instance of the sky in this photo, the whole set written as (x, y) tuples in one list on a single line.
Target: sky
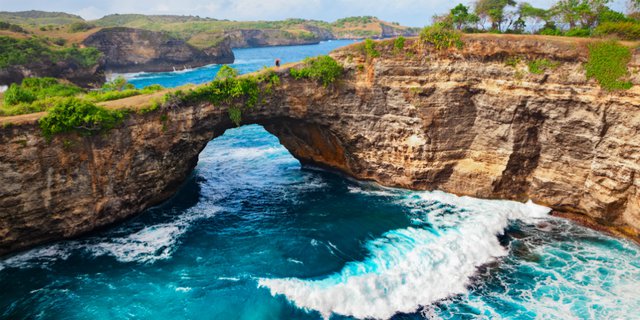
[(414, 13)]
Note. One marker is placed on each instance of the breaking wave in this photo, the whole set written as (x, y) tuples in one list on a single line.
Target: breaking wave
[(415, 266)]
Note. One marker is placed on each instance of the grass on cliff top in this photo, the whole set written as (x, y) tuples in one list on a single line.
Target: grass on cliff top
[(441, 37), (608, 65), (238, 93), (40, 94), (15, 52), (323, 69), (83, 117)]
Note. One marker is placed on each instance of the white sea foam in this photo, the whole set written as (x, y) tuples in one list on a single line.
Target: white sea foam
[(412, 267), (150, 244), (156, 242)]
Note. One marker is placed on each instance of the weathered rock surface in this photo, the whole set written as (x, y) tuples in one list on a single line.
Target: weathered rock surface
[(460, 121), (252, 38), (136, 50), (67, 69)]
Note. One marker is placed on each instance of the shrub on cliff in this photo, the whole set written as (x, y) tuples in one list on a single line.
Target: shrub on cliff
[(621, 30), (80, 26), (14, 52), (33, 89), (441, 37), (323, 69), (84, 117), (398, 44), (16, 94), (607, 64)]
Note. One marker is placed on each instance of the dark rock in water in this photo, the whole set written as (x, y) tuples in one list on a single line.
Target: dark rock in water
[(135, 50)]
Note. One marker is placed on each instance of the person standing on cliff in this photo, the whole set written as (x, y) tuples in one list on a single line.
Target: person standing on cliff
[(277, 63)]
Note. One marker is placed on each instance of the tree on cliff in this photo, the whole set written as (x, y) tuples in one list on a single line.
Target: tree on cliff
[(579, 12), (493, 11)]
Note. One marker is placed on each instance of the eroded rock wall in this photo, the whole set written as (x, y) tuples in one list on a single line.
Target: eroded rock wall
[(136, 50), (461, 121)]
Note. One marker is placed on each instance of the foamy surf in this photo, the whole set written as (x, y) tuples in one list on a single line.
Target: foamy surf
[(416, 266)]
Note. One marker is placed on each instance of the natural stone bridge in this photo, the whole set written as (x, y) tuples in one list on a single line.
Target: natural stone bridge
[(460, 121)]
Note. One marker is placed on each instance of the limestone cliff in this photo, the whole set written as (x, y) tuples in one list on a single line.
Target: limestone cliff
[(136, 50), (68, 69), (251, 38), (462, 121)]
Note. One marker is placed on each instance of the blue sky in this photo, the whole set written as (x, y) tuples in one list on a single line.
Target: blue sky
[(408, 12)]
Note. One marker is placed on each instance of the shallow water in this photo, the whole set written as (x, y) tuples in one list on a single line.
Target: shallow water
[(252, 235)]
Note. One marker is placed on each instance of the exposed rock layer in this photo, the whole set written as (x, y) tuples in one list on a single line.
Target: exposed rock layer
[(67, 69), (460, 121), (135, 50)]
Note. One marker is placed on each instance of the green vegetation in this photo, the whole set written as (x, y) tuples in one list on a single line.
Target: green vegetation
[(75, 115), (80, 26), (354, 21), (441, 37), (398, 44), (14, 52), (573, 18), (238, 93), (621, 30), (369, 48), (539, 66), (323, 69), (39, 18), (608, 65), (40, 94), (12, 27), (20, 97)]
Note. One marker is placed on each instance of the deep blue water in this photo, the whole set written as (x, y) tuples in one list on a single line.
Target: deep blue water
[(252, 235)]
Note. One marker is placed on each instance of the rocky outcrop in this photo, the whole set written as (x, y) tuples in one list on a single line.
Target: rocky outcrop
[(462, 121), (392, 31), (252, 38), (68, 69), (135, 50)]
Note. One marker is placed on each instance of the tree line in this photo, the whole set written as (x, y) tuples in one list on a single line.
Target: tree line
[(565, 17)]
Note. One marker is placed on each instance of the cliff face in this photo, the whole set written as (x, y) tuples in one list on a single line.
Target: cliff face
[(67, 69), (135, 50), (251, 38), (461, 121)]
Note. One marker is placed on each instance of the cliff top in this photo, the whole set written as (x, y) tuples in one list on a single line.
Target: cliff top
[(483, 47)]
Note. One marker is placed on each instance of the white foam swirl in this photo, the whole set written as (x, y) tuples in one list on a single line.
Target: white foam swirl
[(411, 267)]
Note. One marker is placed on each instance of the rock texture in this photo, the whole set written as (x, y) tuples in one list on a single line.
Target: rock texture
[(135, 50), (460, 121), (67, 69), (252, 38)]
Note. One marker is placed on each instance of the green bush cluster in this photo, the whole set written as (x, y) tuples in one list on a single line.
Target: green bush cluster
[(398, 44), (370, 49), (32, 89), (324, 69), (607, 64), (80, 26), (14, 52), (120, 88), (11, 27), (228, 88), (441, 37), (75, 115), (539, 66), (621, 30)]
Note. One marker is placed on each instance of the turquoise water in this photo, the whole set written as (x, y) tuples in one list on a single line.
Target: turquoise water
[(253, 235)]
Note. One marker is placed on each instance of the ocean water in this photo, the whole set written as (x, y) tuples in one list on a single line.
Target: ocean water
[(253, 235)]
